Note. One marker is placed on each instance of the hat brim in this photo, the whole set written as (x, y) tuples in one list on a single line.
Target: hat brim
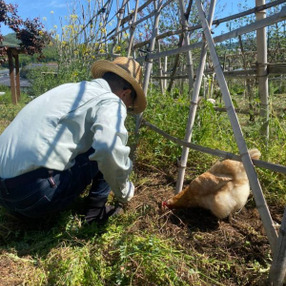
[(99, 68)]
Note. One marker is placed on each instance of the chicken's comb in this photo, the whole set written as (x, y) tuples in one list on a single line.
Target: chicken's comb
[(164, 204)]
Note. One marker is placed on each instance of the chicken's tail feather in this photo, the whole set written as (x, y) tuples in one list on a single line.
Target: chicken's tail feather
[(254, 154)]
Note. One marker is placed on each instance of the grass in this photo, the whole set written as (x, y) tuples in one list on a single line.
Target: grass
[(8, 111), (146, 246)]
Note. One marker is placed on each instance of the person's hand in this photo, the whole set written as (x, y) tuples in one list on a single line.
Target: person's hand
[(127, 193)]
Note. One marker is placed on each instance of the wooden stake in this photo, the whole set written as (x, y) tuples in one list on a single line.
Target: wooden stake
[(18, 92), (12, 76)]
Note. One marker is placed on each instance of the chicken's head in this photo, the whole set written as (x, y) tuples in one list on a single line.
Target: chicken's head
[(166, 204)]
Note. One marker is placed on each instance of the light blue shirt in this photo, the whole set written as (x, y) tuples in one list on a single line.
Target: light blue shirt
[(67, 121)]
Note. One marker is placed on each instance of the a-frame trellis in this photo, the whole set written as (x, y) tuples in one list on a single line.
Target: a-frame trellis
[(277, 241)]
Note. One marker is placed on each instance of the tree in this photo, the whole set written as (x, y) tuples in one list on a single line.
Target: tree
[(30, 33)]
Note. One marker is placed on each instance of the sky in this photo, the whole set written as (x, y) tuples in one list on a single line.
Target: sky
[(50, 12)]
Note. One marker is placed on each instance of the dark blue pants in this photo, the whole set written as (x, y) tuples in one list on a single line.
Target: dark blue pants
[(45, 192)]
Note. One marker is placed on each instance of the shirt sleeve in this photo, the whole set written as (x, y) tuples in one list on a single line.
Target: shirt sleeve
[(109, 142)]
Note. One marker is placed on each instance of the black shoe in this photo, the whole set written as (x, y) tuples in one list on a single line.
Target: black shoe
[(96, 209), (101, 215)]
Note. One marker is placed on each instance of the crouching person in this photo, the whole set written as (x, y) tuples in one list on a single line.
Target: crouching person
[(70, 137)]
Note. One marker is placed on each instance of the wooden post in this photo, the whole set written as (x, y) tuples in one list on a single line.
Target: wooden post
[(18, 92), (262, 71), (278, 268), (193, 108), (12, 76), (245, 158)]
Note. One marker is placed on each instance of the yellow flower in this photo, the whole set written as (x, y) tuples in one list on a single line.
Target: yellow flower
[(52, 12)]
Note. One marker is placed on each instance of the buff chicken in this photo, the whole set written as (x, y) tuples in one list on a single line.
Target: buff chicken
[(223, 189)]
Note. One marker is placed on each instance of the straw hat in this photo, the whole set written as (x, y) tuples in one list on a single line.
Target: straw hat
[(128, 69)]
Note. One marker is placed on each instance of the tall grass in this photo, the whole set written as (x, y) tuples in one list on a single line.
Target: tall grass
[(213, 129)]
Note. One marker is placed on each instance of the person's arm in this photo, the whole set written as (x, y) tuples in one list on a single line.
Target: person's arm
[(111, 152)]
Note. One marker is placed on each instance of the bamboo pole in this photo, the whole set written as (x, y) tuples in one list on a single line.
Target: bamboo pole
[(181, 39), (151, 48), (280, 16), (247, 83), (132, 29), (186, 42), (193, 108), (174, 69), (118, 32), (127, 18), (216, 22), (219, 153), (139, 21), (273, 69), (278, 268), (165, 71), (160, 69), (245, 157), (262, 71), (149, 62), (112, 33), (105, 16)]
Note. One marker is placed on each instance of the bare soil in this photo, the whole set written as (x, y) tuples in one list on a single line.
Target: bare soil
[(240, 240)]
